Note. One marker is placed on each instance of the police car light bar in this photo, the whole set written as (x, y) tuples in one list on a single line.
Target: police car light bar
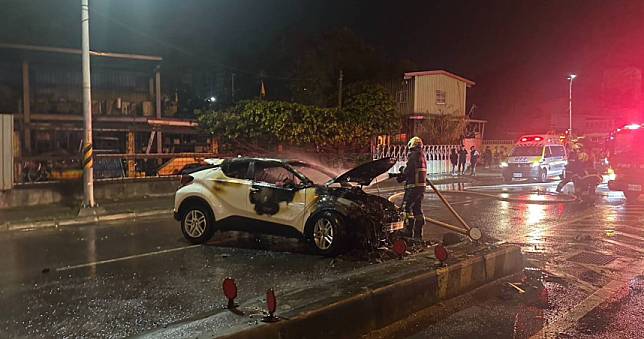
[(632, 126)]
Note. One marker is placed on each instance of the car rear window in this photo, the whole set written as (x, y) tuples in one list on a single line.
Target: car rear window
[(236, 168)]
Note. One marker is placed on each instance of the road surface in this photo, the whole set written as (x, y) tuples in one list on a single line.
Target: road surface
[(122, 279)]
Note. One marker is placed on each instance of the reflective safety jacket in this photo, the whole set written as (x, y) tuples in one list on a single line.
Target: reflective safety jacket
[(416, 169)]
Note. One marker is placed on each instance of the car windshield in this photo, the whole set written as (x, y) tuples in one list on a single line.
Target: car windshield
[(317, 175), (526, 151)]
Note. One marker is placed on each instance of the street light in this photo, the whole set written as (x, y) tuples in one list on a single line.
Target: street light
[(571, 77)]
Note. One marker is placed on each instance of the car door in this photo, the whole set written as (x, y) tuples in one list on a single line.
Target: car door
[(232, 187), (557, 159), (277, 194)]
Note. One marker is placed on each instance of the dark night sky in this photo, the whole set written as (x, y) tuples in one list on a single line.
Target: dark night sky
[(518, 52)]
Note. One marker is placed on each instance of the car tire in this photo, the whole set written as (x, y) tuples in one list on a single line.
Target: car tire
[(632, 196), (543, 175), (327, 234), (197, 224)]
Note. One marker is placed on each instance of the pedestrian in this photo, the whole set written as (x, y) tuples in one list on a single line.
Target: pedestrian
[(415, 178), (474, 159), (487, 157), (462, 160), (453, 158)]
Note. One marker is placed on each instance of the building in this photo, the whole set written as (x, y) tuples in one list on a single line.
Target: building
[(132, 118), (428, 96)]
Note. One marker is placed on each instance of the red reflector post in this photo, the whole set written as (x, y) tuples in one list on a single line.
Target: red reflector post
[(271, 305), (441, 253), (230, 291), (400, 247)]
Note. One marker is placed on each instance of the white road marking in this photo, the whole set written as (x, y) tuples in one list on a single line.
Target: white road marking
[(129, 257)]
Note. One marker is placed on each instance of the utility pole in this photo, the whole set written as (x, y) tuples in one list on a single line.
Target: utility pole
[(88, 157), (340, 89), (571, 77), (232, 86)]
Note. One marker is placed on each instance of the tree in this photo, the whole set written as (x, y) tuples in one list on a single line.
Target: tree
[(445, 128), (259, 124)]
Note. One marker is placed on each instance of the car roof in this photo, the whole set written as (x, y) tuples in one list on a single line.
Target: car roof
[(283, 161)]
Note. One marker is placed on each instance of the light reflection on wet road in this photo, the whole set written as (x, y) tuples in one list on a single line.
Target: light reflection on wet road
[(146, 276), (568, 295)]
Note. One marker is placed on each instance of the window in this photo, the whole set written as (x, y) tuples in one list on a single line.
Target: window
[(275, 174), (526, 151), (558, 151), (236, 168), (440, 97), (548, 153), (316, 175)]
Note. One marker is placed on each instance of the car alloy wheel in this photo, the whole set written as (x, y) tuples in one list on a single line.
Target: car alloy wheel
[(195, 223), (323, 233)]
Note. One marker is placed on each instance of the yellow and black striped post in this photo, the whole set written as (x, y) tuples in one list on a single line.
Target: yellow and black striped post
[(88, 156), (88, 175)]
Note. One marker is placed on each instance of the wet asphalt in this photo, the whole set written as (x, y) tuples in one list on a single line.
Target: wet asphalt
[(125, 278)]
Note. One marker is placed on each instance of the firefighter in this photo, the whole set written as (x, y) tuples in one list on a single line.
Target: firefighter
[(415, 178), (578, 165)]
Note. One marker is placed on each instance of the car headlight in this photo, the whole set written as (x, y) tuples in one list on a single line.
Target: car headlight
[(504, 164), (536, 163)]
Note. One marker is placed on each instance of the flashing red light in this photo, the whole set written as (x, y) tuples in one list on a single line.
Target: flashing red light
[(538, 139), (632, 126), (524, 139)]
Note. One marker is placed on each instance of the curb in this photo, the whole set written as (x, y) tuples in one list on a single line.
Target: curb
[(378, 306), (22, 226)]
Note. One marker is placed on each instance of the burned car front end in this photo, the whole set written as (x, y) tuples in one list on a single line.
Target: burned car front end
[(372, 218)]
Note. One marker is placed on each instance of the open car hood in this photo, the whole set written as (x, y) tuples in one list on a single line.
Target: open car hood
[(365, 173)]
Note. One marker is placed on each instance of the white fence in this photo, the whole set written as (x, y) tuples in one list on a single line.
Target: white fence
[(437, 156)]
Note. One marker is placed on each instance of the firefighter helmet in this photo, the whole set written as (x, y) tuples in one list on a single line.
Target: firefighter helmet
[(415, 141)]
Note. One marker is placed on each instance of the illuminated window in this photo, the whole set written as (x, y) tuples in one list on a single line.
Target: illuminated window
[(440, 97)]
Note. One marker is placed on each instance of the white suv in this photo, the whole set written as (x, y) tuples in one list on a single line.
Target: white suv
[(289, 198)]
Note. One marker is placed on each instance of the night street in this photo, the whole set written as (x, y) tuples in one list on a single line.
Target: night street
[(126, 278), (288, 169)]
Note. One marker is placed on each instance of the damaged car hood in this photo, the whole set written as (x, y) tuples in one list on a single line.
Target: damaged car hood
[(365, 173)]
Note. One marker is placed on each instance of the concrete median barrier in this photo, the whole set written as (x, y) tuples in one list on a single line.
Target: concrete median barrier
[(378, 297)]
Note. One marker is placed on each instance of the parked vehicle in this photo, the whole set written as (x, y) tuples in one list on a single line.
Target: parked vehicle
[(626, 158), (289, 198), (537, 157)]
